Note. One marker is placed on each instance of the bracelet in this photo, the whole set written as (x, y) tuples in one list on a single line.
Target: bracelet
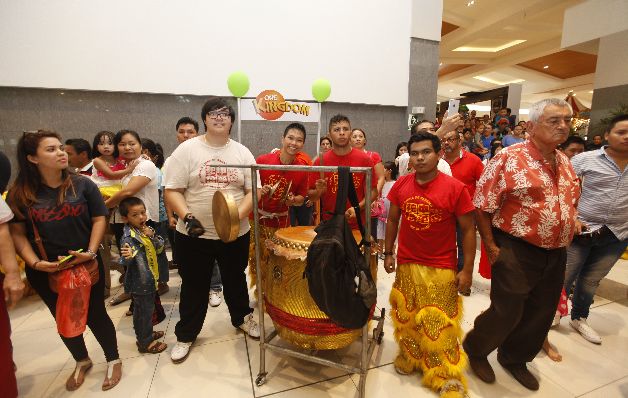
[(34, 265), (89, 251)]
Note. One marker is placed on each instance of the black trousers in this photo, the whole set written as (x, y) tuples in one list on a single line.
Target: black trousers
[(195, 257), (525, 288), (97, 318)]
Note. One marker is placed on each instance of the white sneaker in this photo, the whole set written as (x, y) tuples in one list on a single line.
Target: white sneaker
[(585, 330), (250, 327), (214, 298), (180, 352)]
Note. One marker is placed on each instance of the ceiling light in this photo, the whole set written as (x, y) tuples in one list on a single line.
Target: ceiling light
[(441, 64), (437, 102), (470, 3), (574, 94), (498, 83), (490, 49), (451, 91), (591, 92), (546, 66)]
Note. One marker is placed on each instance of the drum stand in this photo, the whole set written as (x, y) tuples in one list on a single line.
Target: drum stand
[(367, 343)]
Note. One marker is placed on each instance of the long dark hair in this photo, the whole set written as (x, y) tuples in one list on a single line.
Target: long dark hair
[(23, 193), (155, 150)]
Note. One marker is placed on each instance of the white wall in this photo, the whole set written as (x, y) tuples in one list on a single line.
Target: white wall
[(612, 60), (427, 17), (593, 19), (191, 46)]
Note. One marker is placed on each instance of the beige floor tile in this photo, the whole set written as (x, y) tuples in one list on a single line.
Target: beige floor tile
[(39, 351), (212, 370), (137, 375), (29, 385), (286, 373), (506, 386), (24, 309), (583, 368), (340, 387), (40, 318), (617, 389)]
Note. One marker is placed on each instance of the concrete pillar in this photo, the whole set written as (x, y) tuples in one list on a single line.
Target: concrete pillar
[(424, 44)]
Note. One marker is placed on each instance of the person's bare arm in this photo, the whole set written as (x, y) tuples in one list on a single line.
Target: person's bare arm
[(484, 227), (176, 201), (102, 166), (135, 185), (449, 124), (13, 286), (379, 172), (392, 227), (467, 226), (246, 206)]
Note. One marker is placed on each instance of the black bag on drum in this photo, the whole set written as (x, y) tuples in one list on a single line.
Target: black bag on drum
[(338, 277)]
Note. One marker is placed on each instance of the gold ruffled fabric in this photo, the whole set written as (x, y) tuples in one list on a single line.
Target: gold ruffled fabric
[(426, 313)]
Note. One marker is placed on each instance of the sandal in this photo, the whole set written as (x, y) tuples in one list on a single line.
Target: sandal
[(158, 335), (113, 368), (155, 347), (77, 377)]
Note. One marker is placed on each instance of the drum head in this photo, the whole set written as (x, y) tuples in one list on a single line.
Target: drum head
[(225, 212)]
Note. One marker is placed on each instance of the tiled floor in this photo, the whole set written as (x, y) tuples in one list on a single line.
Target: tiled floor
[(223, 363)]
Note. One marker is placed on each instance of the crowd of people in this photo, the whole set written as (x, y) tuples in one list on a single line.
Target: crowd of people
[(551, 221)]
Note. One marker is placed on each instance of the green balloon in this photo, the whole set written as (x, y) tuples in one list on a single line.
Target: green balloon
[(321, 89), (238, 83)]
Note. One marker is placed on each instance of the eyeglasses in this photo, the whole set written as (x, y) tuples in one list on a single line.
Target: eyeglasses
[(449, 140), (218, 115)]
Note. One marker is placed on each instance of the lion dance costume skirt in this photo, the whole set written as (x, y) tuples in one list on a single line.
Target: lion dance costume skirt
[(426, 313)]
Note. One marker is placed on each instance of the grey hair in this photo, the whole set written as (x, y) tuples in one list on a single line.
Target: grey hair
[(536, 110)]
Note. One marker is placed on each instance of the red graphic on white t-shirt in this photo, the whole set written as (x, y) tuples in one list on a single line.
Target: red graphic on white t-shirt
[(213, 175)]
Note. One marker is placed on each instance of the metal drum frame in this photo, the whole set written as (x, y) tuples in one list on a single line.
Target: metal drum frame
[(368, 343)]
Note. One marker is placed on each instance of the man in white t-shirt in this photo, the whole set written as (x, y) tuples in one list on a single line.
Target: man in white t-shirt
[(195, 173), (187, 128)]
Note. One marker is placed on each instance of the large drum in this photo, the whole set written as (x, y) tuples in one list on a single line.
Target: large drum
[(294, 313)]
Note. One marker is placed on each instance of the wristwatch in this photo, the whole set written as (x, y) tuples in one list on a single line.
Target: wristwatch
[(89, 251)]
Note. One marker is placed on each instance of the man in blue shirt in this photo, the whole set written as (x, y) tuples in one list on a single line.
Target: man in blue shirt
[(603, 213), (514, 137)]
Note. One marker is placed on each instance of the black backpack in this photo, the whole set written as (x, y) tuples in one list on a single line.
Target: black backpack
[(339, 280)]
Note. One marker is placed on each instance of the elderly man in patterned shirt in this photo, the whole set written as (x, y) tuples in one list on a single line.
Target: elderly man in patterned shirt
[(526, 213), (603, 211)]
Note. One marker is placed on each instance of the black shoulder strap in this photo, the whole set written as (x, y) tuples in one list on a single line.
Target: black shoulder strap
[(353, 198), (343, 188)]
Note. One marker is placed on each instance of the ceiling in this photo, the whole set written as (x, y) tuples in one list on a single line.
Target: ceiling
[(491, 43)]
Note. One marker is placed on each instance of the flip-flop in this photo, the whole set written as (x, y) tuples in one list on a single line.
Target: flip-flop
[(107, 383), (81, 369)]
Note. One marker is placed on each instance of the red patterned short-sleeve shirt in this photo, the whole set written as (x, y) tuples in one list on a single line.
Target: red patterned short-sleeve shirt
[(527, 199)]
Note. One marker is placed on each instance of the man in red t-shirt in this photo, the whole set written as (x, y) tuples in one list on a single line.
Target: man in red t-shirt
[(426, 308), (280, 190), (341, 154), (466, 168)]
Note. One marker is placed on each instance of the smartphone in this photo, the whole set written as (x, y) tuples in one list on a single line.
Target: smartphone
[(66, 258), (454, 105)]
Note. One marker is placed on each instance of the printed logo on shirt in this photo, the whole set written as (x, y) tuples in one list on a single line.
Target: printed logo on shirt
[(211, 174), (420, 213), (357, 182), (47, 214)]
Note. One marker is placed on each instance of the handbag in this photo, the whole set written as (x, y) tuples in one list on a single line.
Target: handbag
[(91, 266), (378, 208)]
